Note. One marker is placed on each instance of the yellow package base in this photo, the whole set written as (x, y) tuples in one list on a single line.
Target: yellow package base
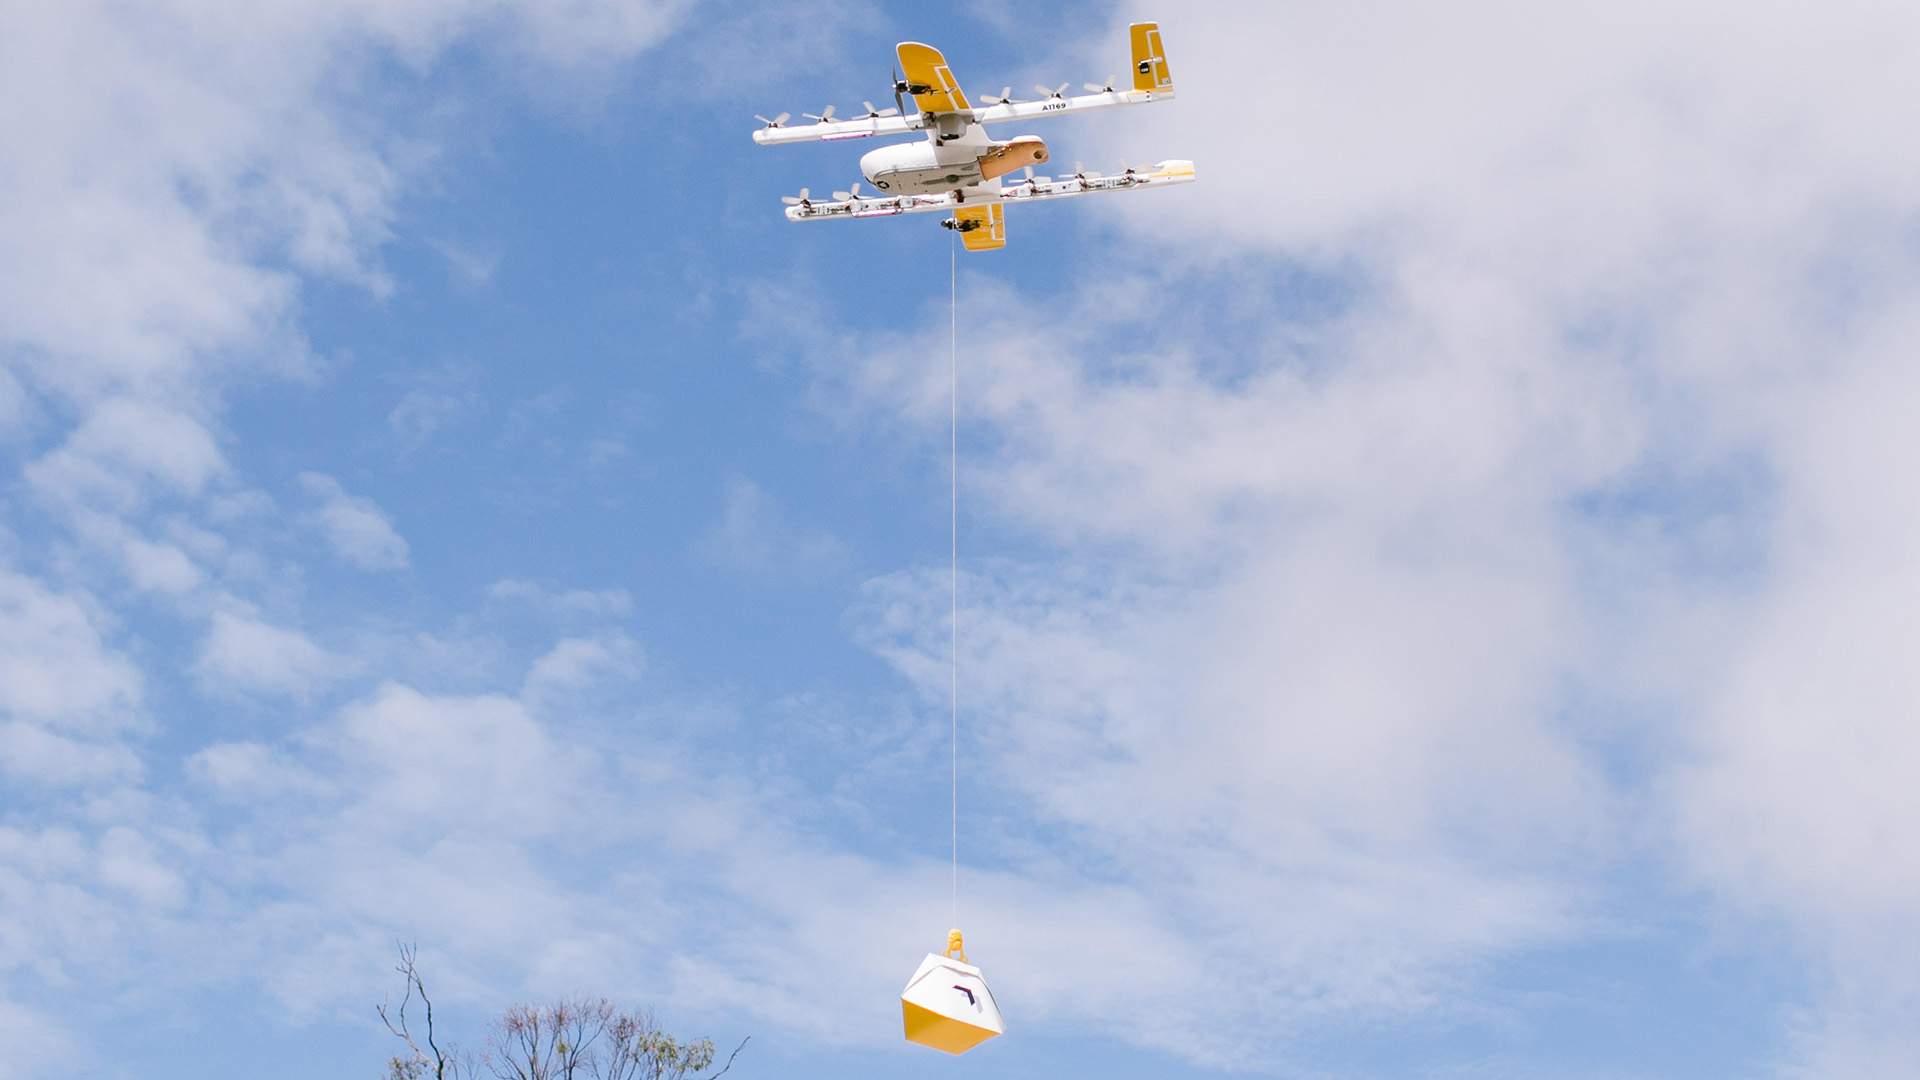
[(929, 1028)]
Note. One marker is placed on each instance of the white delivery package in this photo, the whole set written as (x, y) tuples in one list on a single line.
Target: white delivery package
[(947, 1005)]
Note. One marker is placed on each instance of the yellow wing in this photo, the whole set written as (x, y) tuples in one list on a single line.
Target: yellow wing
[(929, 79), (982, 228), (1150, 70)]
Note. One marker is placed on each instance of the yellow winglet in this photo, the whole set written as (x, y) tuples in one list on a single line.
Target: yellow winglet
[(1150, 70), (928, 78), (982, 228)]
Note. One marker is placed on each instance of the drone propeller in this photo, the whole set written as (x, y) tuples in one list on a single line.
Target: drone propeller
[(1083, 175), (1004, 97), (1106, 89), (902, 86), (1035, 181), (776, 121), (1058, 93), (801, 199), (1127, 173), (825, 116), (875, 114), (846, 196)]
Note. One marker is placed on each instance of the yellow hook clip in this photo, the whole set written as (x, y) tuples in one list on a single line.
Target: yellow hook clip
[(956, 950)]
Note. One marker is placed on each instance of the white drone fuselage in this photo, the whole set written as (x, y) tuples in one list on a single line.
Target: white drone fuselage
[(921, 168), (941, 163)]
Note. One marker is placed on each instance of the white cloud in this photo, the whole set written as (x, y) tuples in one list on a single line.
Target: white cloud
[(123, 446), (52, 851), (31, 755), (354, 525), (606, 450), (224, 156), (590, 603), (1300, 761), (160, 567), (425, 411), (132, 864), (1864, 1023), (13, 407), (209, 161), (755, 534), (1808, 745), (245, 654), (578, 662), (55, 666), (477, 813), (761, 48), (250, 771), (1647, 149), (37, 1040), (470, 266), (424, 766)]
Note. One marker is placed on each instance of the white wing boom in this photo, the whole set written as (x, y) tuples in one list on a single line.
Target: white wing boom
[(993, 114), (1020, 191), (931, 84)]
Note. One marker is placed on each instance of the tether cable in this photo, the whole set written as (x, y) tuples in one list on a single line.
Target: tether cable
[(953, 555)]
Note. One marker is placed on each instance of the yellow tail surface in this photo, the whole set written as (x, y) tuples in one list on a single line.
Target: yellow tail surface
[(935, 88), (1150, 71), (985, 226)]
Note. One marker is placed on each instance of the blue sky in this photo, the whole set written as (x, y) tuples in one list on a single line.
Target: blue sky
[(1434, 591)]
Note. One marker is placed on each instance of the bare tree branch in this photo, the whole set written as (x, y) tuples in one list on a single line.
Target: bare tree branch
[(730, 1057), (442, 1063)]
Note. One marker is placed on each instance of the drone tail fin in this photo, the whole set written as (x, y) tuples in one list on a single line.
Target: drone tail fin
[(983, 227), (1150, 71)]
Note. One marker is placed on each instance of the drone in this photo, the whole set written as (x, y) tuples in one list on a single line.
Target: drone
[(958, 168)]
